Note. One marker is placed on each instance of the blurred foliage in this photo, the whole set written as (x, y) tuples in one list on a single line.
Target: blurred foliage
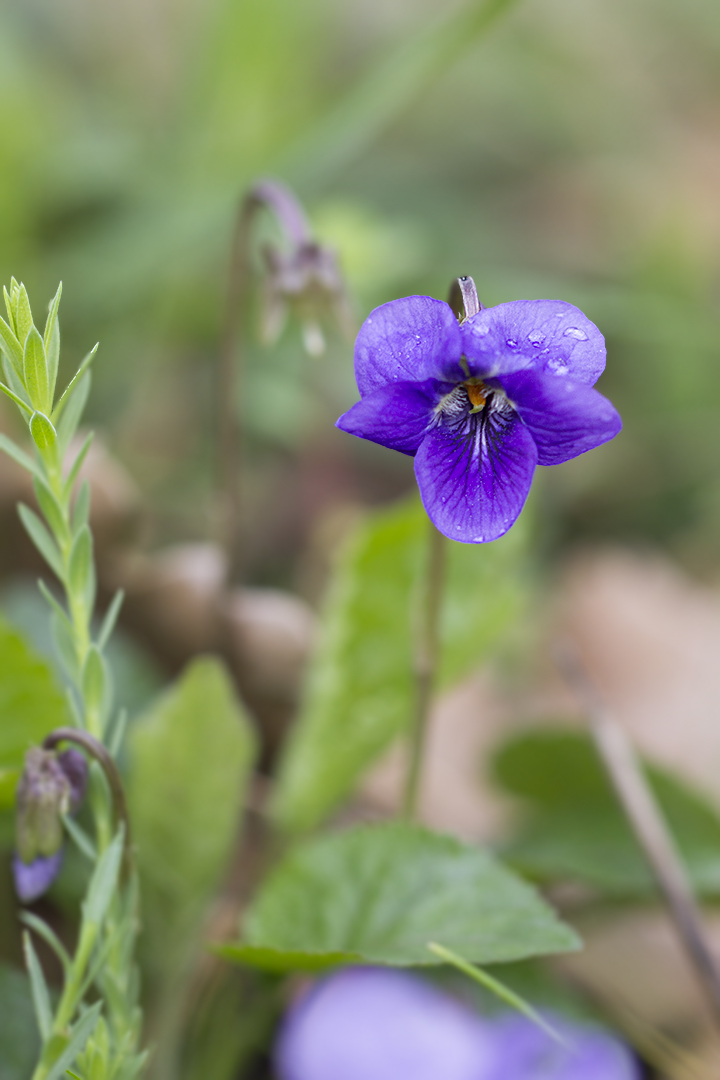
[(574, 830), (380, 894), (31, 705), (360, 690), (19, 1042), (572, 156), (190, 758)]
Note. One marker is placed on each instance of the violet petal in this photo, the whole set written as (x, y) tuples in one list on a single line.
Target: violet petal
[(546, 335), (413, 339), (396, 415), (565, 417), (378, 1024), (35, 878), (475, 472)]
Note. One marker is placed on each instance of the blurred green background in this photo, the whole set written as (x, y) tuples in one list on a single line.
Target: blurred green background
[(570, 149)]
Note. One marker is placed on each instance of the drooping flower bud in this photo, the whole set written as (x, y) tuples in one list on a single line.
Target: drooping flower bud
[(34, 878), (73, 764), (307, 281), (43, 795)]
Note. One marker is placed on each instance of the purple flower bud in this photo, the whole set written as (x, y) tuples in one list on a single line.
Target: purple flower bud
[(43, 796), (73, 764), (379, 1024), (33, 879)]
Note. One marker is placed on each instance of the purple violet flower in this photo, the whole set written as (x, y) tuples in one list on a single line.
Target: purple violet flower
[(479, 404), (380, 1024), (34, 878)]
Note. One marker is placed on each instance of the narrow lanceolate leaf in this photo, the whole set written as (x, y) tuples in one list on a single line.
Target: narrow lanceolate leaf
[(42, 431), (16, 398), (111, 617), (10, 308), (78, 1038), (42, 539), (23, 315), (51, 339), (103, 882), (46, 932), (51, 508), (74, 382), (35, 367), (40, 993), (81, 570), (94, 681), (380, 894), (79, 459), (19, 456), (81, 510), (12, 348)]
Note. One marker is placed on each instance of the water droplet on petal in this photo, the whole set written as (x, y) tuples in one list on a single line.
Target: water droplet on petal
[(511, 343), (573, 331), (536, 338)]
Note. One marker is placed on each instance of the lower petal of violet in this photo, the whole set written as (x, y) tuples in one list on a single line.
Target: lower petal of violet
[(475, 472), (34, 878), (565, 417), (396, 415)]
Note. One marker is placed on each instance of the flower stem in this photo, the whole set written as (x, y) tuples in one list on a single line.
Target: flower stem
[(296, 229), (648, 824), (425, 664)]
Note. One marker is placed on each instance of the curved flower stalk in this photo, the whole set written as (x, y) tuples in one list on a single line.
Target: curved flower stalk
[(103, 1037), (479, 403)]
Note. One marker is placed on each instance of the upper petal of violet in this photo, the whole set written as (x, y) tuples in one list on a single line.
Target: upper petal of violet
[(565, 417), (474, 474), (545, 335), (415, 338), (396, 415)]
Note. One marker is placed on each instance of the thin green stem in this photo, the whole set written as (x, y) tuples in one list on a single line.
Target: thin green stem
[(427, 649)]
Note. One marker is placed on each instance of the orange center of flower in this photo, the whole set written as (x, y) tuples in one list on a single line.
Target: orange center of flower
[(476, 392)]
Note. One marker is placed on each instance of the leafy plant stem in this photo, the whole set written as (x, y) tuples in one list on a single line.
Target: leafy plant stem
[(648, 824), (425, 664)]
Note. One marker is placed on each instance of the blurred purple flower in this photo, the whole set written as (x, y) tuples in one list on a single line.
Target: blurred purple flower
[(481, 403), (34, 878), (375, 1024), (379, 1024)]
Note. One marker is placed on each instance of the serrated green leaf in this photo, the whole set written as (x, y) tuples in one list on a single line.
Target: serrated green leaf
[(359, 692), (42, 539), (574, 828), (19, 1042), (31, 705), (380, 894), (190, 758), (42, 431), (35, 369)]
